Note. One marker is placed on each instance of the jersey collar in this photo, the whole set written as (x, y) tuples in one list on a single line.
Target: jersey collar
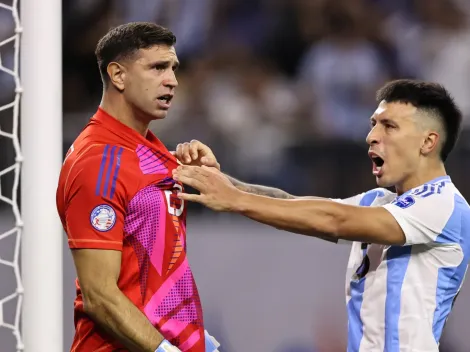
[(115, 126)]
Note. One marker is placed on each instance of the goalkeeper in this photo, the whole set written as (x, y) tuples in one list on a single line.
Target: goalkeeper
[(117, 201)]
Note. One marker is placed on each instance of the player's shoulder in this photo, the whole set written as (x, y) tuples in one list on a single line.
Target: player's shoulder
[(97, 164), (439, 196), (96, 155), (440, 190)]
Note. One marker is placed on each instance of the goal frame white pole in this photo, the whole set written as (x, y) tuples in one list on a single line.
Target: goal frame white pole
[(41, 144)]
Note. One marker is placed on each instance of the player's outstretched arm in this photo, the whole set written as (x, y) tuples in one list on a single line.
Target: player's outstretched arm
[(98, 271), (196, 153), (265, 190), (313, 217)]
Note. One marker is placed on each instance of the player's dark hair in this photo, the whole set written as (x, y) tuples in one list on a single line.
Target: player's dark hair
[(123, 41), (429, 97)]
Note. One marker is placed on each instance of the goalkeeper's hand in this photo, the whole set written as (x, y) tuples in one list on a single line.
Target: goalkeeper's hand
[(196, 153), (165, 346)]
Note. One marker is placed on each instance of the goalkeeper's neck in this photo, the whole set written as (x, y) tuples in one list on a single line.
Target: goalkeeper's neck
[(115, 105)]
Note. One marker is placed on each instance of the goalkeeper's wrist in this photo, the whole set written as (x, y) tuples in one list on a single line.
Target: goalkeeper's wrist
[(166, 346)]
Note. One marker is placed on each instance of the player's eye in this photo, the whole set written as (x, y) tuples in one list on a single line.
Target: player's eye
[(160, 67)]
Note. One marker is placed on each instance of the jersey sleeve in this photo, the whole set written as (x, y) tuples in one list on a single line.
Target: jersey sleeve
[(96, 199), (365, 198), (354, 200), (423, 215)]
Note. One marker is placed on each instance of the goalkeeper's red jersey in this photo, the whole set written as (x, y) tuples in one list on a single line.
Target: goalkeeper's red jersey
[(116, 192)]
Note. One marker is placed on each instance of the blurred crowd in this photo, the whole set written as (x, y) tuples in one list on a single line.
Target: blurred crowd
[(270, 83), (277, 87)]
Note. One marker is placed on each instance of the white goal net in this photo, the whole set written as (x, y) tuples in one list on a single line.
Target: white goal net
[(11, 287)]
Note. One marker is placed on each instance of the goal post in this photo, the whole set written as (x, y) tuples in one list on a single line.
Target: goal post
[(41, 144)]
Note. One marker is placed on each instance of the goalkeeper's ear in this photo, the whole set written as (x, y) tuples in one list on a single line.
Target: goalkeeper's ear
[(117, 75)]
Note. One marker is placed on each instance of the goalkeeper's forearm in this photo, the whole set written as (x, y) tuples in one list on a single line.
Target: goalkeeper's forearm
[(116, 314)]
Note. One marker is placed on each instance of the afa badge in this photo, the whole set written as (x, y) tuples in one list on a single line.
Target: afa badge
[(405, 202), (103, 218)]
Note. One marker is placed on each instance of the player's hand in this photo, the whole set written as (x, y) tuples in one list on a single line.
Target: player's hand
[(196, 153), (216, 191)]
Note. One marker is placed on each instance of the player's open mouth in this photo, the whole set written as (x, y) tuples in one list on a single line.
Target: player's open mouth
[(165, 100), (377, 164)]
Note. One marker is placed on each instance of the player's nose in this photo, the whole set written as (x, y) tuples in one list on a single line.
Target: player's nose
[(373, 137), (171, 81)]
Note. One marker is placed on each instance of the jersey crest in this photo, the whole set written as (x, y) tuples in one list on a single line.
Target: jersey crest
[(103, 217)]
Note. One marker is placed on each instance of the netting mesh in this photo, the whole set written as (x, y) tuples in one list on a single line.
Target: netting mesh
[(10, 166)]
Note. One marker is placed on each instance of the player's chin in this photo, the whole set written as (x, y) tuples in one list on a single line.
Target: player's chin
[(384, 181), (159, 114)]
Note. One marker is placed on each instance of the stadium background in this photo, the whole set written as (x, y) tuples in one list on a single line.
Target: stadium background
[(282, 91)]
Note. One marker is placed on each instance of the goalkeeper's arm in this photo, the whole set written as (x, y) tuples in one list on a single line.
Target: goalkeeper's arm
[(98, 271)]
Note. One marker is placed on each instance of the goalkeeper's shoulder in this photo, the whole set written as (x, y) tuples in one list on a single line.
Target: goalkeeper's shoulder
[(97, 166), (87, 158)]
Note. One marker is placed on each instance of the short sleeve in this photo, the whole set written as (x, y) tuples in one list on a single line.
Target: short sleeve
[(96, 200), (422, 218), (354, 200), (364, 199)]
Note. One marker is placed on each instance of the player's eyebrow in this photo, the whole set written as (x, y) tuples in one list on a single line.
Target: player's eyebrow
[(165, 64), (383, 121)]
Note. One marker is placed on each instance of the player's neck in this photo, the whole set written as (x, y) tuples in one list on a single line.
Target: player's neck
[(122, 112), (422, 176)]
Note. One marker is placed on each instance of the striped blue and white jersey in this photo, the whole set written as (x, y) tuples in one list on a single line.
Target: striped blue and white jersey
[(399, 297)]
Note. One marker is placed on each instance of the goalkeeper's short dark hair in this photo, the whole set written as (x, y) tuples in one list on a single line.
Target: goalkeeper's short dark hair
[(125, 40)]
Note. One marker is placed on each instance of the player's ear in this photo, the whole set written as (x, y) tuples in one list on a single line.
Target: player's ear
[(430, 142), (116, 75)]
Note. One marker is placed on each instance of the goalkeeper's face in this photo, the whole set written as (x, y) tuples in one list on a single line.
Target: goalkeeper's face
[(150, 81)]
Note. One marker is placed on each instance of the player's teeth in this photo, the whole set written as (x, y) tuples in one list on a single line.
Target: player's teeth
[(378, 168)]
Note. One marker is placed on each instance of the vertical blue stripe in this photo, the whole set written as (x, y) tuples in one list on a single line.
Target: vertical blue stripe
[(448, 284), (116, 171), (108, 172), (357, 285), (397, 263), (100, 175), (449, 280), (355, 325)]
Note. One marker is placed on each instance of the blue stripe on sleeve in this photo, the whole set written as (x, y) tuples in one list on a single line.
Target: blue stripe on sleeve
[(100, 175), (116, 172), (108, 171)]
